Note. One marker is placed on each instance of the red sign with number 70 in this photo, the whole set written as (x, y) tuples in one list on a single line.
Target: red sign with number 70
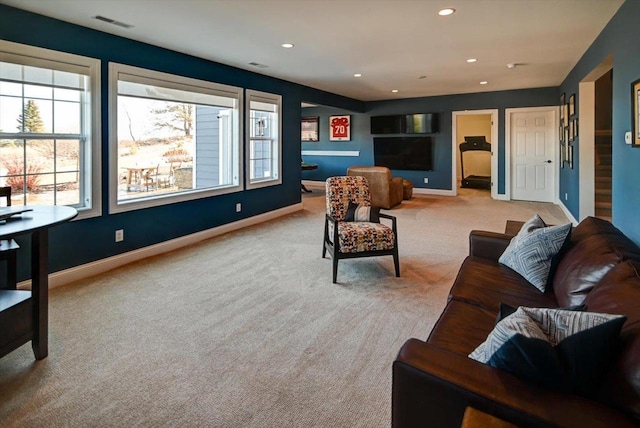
[(340, 128)]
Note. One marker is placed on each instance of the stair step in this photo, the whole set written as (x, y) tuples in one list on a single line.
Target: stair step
[(605, 217), (603, 205), (603, 191), (603, 169)]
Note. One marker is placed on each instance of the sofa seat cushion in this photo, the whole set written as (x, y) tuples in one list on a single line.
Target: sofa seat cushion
[(619, 293), (462, 327), (595, 247), (485, 283)]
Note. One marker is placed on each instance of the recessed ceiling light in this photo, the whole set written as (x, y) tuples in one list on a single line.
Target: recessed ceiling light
[(394, 91), (288, 45), (357, 75), (446, 12), (484, 82), (472, 60)]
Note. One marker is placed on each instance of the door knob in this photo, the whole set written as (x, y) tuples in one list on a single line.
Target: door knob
[(548, 161)]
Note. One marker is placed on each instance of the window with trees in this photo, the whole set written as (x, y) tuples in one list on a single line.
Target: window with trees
[(264, 145), (50, 127), (172, 138)]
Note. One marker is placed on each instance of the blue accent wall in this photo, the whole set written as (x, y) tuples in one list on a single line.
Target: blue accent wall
[(621, 39), (440, 176), (88, 240)]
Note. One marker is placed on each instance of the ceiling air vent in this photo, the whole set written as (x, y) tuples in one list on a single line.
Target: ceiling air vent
[(257, 64), (112, 21)]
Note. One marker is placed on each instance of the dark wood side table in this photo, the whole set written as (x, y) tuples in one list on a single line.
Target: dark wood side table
[(474, 418), (307, 167), (25, 314)]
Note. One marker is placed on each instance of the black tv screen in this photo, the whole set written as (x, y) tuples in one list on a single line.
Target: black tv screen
[(387, 124), (421, 123), (403, 153)]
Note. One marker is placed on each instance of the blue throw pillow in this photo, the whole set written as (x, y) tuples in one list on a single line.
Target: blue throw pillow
[(559, 349), (531, 251)]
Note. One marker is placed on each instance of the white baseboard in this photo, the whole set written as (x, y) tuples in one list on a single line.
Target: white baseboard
[(438, 192), (416, 190), (314, 184), (501, 197), (566, 212), (103, 265)]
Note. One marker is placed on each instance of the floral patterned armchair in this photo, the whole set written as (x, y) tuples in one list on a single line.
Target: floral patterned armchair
[(349, 239)]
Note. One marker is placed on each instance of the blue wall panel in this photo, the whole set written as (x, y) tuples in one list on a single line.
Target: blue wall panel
[(440, 176), (621, 39), (92, 239)]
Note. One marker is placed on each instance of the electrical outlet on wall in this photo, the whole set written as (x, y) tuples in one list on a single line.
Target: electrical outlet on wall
[(426, 180), (238, 207), (119, 235), (566, 196)]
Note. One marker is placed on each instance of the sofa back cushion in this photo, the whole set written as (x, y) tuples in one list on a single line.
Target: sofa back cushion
[(619, 293), (596, 246)]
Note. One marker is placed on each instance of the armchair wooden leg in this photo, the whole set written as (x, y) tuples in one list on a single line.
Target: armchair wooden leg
[(396, 261), (335, 269)]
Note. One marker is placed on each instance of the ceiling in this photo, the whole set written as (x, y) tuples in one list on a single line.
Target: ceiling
[(391, 43)]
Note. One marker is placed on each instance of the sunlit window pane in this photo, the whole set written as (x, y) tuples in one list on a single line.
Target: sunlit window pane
[(66, 117)]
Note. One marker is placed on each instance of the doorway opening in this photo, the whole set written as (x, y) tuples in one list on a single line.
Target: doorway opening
[(475, 166), (603, 139), (595, 99)]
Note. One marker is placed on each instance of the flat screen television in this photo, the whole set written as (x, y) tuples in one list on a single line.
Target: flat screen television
[(421, 123), (403, 153), (387, 124), (416, 123)]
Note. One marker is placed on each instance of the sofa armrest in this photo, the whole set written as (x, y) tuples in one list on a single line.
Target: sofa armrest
[(488, 245), (433, 387)]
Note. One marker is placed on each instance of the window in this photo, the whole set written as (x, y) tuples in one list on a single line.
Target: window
[(264, 145), (172, 138), (50, 128)]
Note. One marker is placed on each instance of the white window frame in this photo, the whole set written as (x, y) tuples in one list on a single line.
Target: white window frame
[(146, 76), (276, 178), (55, 60)]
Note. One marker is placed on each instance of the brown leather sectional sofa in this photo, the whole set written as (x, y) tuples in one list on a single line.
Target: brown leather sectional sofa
[(435, 381)]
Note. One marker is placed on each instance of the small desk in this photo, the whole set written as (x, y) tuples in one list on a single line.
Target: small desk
[(36, 223), (307, 167)]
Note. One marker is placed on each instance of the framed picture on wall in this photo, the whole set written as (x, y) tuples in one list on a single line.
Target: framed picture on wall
[(566, 144), (575, 128), (571, 131), (572, 105), (340, 128), (310, 129), (635, 120)]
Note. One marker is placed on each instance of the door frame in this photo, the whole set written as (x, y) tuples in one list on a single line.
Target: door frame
[(586, 131), (494, 148), (508, 116)]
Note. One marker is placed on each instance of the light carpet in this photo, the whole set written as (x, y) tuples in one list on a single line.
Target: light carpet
[(246, 329)]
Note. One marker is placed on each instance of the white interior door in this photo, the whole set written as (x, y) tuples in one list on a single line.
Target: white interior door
[(533, 156)]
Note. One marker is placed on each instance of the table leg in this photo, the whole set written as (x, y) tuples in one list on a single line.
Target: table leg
[(40, 292)]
